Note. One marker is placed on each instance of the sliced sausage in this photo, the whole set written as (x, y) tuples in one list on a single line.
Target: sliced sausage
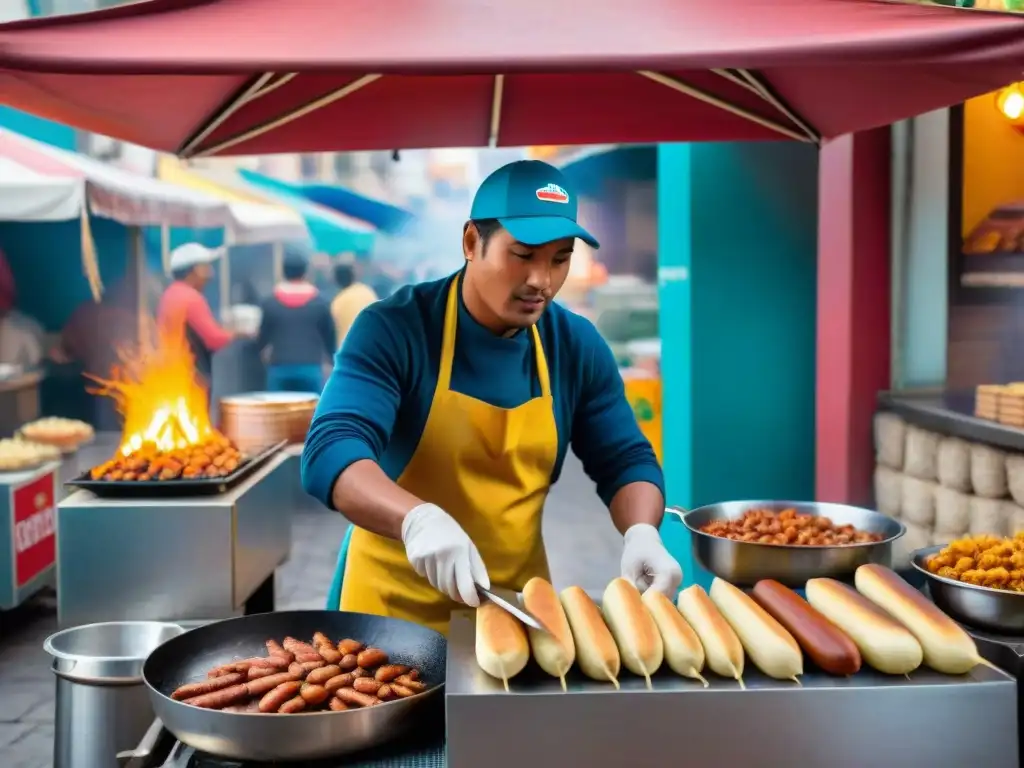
[(206, 686), (274, 699), (826, 644)]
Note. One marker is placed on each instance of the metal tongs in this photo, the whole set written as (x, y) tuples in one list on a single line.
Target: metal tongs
[(525, 617)]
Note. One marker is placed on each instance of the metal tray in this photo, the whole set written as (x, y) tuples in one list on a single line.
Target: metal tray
[(206, 486)]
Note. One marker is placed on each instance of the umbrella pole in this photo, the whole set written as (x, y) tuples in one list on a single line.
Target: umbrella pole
[(715, 101), (496, 99)]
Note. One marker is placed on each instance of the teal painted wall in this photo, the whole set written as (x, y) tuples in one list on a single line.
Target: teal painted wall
[(738, 280), (57, 134)]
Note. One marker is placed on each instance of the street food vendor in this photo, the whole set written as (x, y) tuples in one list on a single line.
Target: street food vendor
[(452, 405), (183, 302)]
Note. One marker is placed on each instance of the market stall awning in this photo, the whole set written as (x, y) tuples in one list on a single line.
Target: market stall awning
[(332, 232), (257, 222), (384, 216), (201, 77), (125, 197), (26, 195)]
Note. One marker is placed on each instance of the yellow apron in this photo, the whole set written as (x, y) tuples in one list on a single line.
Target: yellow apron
[(489, 468)]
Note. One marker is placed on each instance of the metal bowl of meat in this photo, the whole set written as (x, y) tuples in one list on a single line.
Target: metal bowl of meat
[(789, 541), (976, 605)]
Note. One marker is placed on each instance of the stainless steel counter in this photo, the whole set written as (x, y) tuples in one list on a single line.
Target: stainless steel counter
[(858, 722), (174, 558)]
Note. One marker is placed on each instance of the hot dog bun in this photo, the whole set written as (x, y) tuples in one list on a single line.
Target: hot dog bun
[(634, 630), (766, 642), (555, 652), (884, 644), (683, 651), (722, 649), (596, 652), (501, 646), (821, 640), (947, 648)]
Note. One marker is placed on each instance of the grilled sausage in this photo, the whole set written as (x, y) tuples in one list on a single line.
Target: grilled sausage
[(319, 638), (297, 646), (408, 682), (371, 657), (355, 698), (270, 682), (360, 672), (401, 691), (337, 705), (257, 672), (389, 672), (329, 654), (269, 662), (313, 694), (276, 649), (826, 644), (227, 669), (345, 647), (340, 681), (321, 675), (293, 705), (413, 674), (275, 698), (206, 686), (220, 699), (309, 666), (304, 657), (366, 685), (384, 693), (947, 648), (348, 662)]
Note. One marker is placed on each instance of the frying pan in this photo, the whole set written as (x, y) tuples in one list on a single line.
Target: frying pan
[(258, 737)]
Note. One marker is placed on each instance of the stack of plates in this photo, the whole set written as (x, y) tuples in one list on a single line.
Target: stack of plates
[(986, 401)]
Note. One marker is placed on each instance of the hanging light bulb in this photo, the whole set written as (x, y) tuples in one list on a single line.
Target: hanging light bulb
[(1010, 102)]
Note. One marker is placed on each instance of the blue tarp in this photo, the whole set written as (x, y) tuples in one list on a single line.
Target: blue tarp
[(383, 216)]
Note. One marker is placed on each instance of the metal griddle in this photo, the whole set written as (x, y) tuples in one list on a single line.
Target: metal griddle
[(205, 486)]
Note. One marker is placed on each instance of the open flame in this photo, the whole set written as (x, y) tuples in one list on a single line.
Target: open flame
[(163, 403)]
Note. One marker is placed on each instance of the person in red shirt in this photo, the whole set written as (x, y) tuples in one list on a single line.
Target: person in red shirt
[(183, 302)]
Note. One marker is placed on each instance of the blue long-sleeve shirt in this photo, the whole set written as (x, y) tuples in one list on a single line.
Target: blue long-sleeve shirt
[(376, 401)]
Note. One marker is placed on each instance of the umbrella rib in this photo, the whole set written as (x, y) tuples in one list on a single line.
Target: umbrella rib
[(496, 99), (715, 101), (224, 112), (271, 87), (288, 117), (760, 87), (735, 79)]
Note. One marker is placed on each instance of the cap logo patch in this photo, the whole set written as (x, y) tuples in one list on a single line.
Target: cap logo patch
[(552, 193)]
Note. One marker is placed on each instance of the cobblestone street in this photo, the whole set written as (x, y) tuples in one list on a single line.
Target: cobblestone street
[(583, 545)]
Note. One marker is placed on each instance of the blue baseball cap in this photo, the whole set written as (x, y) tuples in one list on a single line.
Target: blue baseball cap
[(533, 201)]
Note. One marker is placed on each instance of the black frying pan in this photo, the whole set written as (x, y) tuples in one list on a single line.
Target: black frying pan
[(242, 736)]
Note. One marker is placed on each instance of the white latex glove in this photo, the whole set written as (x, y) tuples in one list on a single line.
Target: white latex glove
[(646, 562), (443, 554)]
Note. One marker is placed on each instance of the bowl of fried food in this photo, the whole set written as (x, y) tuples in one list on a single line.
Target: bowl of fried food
[(789, 541), (978, 580)]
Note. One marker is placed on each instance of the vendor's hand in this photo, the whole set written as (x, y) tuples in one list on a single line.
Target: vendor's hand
[(646, 562), (443, 554)]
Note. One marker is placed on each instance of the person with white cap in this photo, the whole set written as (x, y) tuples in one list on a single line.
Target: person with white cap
[(183, 303)]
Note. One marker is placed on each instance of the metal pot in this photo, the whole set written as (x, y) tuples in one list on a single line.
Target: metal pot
[(103, 708), (257, 419)]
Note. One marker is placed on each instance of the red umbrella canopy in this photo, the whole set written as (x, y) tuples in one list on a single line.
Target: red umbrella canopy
[(203, 77)]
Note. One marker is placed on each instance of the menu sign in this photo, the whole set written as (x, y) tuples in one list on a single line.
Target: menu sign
[(34, 533)]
